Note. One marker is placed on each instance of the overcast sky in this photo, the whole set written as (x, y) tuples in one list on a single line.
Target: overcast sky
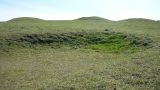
[(71, 9)]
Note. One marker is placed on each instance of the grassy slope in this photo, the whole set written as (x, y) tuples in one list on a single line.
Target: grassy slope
[(65, 68)]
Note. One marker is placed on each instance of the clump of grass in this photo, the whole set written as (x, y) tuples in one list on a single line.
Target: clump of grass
[(100, 41)]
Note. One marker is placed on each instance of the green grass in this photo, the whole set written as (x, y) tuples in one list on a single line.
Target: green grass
[(101, 41), (97, 66)]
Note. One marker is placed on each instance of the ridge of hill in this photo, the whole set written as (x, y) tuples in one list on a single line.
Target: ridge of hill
[(24, 19), (92, 18), (21, 19), (138, 20)]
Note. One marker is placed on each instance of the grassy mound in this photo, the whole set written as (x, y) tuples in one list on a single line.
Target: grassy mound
[(138, 20), (25, 19), (101, 41), (92, 18)]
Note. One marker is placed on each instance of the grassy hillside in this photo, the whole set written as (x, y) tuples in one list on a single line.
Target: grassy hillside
[(93, 18), (89, 53), (25, 19)]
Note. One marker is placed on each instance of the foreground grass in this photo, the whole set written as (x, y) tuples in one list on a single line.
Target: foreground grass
[(65, 68)]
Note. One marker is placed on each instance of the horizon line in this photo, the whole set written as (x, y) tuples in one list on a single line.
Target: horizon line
[(78, 18)]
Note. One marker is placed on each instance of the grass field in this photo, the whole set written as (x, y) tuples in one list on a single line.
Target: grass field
[(121, 64)]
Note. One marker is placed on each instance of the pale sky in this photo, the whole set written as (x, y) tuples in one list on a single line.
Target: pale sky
[(72, 9)]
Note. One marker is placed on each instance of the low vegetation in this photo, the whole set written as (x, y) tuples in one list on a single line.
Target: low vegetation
[(100, 41)]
